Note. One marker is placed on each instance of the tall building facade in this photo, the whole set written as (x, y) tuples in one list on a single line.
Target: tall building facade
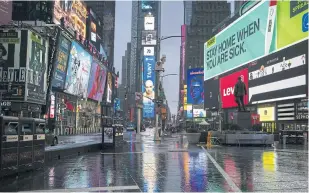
[(145, 31), (200, 17)]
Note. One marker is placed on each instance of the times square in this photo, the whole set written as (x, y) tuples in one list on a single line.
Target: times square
[(154, 96)]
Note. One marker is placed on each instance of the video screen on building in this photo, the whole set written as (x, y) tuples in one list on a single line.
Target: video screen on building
[(267, 26), (97, 81), (78, 71), (148, 87)]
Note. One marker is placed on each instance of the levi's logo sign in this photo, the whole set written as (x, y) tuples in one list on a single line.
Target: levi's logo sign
[(228, 91)]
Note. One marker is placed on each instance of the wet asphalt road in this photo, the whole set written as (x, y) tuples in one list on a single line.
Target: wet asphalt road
[(169, 166)]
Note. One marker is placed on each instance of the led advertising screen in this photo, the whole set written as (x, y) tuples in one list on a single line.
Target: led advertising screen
[(93, 32), (148, 88), (61, 62), (149, 37), (109, 92), (189, 111), (5, 12), (279, 76), (116, 104), (13, 62), (74, 14), (147, 5), (78, 71), (37, 62), (267, 26), (195, 92), (227, 85), (97, 81), (266, 113), (149, 23), (149, 51)]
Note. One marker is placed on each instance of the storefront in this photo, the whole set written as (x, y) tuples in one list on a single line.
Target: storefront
[(86, 113)]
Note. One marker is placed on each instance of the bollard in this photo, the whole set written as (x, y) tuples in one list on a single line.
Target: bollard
[(209, 139), (305, 138), (284, 139)]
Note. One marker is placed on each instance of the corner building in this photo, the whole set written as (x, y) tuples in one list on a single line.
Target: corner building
[(275, 69)]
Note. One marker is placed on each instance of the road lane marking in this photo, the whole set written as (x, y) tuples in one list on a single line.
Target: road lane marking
[(121, 153), (223, 173), (91, 189)]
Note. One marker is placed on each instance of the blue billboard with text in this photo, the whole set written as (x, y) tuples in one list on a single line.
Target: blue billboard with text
[(148, 87)]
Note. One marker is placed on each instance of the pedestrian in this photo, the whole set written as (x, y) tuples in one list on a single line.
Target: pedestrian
[(240, 91)]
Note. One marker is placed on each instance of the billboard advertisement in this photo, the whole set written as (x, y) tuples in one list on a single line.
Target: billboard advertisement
[(266, 113), (199, 113), (211, 93), (74, 14), (227, 84), (61, 62), (279, 76), (147, 5), (5, 12), (267, 26), (183, 50), (78, 71), (149, 23), (116, 104), (109, 93), (148, 88), (195, 90), (93, 32), (97, 81), (37, 65), (149, 37), (189, 111), (13, 62), (149, 51)]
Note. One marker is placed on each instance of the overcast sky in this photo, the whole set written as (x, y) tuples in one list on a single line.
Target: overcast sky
[(171, 21)]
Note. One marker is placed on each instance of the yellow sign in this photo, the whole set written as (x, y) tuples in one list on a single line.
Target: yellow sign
[(211, 42), (185, 107), (267, 113), (185, 94)]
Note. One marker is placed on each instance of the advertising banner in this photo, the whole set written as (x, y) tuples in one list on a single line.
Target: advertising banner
[(267, 26), (195, 90), (149, 37), (291, 15), (36, 76), (5, 12), (109, 93), (74, 14), (97, 81), (183, 50), (148, 51), (94, 32), (267, 114), (232, 47), (61, 62), (147, 5), (281, 75), (149, 23), (13, 57), (78, 71), (116, 104), (185, 93), (148, 86), (199, 113), (227, 85)]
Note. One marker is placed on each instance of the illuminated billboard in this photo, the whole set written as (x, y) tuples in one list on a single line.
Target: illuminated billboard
[(97, 81), (148, 88), (149, 23), (78, 71), (74, 14), (267, 26), (149, 37)]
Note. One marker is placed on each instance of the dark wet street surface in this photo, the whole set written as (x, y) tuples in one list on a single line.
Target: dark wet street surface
[(169, 166)]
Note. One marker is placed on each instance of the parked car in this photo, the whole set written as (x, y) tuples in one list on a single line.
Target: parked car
[(50, 137)]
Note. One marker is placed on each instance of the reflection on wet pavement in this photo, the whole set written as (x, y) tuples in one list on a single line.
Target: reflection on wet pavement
[(171, 167)]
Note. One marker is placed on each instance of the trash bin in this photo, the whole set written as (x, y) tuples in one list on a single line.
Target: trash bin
[(25, 148), (39, 144), (9, 145)]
